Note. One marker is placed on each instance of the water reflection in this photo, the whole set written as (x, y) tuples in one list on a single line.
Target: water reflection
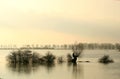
[(77, 70), (22, 68), (28, 68), (81, 70), (48, 66)]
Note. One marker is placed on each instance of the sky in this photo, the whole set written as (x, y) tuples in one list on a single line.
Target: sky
[(59, 21)]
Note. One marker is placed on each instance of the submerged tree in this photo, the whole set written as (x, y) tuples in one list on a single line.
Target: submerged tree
[(69, 57), (29, 57), (49, 58), (23, 60), (106, 59), (77, 50), (20, 56), (60, 59)]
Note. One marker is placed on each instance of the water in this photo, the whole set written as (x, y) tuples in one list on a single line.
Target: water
[(82, 70)]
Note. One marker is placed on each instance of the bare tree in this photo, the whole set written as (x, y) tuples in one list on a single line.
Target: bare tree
[(77, 50)]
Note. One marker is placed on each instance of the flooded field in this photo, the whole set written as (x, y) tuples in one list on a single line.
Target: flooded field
[(81, 70)]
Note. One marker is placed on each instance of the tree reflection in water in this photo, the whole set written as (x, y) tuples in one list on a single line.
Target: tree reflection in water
[(48, 66), (77, 70), (22, 68), (28, 68)]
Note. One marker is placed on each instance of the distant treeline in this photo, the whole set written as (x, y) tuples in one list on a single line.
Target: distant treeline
[(68, 46), (83, 45)]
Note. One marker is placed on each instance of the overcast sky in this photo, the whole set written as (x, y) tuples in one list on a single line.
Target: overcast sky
[(59, 21)]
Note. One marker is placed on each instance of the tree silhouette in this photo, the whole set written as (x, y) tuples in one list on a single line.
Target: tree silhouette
[(77, 50)]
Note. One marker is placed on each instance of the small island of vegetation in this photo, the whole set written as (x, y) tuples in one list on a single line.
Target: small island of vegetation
[(106, 59), (29, 57)]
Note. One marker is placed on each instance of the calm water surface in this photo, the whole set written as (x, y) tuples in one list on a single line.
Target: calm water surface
[(82, 70)]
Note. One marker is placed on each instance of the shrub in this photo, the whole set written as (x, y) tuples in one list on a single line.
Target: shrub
[(20, 56), (29, 57), (35, 57), (69, 57), (60, 59), (26, 56), (48, 58), (105, 59), (26, 60)]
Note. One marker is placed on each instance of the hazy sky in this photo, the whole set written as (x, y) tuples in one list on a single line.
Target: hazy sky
[(59, 21)]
